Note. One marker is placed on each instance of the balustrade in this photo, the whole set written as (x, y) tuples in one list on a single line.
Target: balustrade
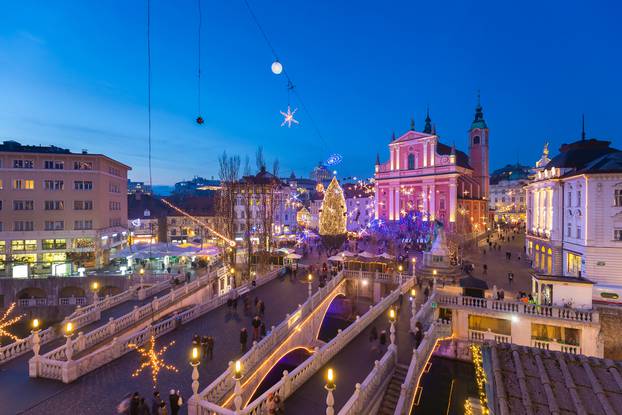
[(554, 345)]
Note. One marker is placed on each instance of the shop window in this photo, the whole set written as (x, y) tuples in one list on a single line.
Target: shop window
[(495, 325), (564, 335)]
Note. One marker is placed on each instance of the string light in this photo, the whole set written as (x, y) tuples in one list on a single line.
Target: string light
[(333, 212), (5, 323), (289, 117), (480, 377), (153, 359)]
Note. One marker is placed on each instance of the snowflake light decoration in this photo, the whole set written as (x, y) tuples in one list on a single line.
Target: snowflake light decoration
[(153, 359), (289, 117), (5, 323), (334, 159)]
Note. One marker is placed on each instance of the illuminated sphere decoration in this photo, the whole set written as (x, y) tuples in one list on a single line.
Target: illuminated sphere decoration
[(276, 67)]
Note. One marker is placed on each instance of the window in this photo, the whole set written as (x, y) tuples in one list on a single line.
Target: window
[(19, 184), (569, 230), (54, 205), (114, 188), (578, 232), (82, 165), (476, 139), (54, 225), (114, 171), (555, 333), (617, 234), (23, 205), (83, 205), (83, 185), (23, 164), (573, 264), (53, 185), (411, 161), (23, 225), (569, 199), (54, 164), (496, 325), (115, 222), (54, 244), (115, 205), (1, 185), (83, 243), (617, 197), (578, 197), (83, 225), (24, 245)]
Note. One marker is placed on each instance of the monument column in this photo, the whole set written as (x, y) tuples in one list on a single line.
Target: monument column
[(453, 199)]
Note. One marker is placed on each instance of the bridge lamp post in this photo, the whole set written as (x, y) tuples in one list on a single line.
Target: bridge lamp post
[(434, 278), (195, 359), (232, 272), (414, 262), (36, 340), (237, 391), (330, 387), (309, 281), (413, 300), (69, 328), (142, 274), (392, 319), (95, 289), (400, 268)]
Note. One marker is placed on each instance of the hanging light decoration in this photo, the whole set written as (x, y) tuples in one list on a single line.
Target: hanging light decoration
[(276, 67)]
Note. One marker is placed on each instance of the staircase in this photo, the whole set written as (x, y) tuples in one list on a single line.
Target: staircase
[(392, 394)]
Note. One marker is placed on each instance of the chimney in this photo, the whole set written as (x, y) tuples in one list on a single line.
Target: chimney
[(85, 151)]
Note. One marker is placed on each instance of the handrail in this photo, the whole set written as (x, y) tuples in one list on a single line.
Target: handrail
[(365, 392)]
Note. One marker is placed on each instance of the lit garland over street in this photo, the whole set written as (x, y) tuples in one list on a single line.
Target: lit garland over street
[(5, 323)]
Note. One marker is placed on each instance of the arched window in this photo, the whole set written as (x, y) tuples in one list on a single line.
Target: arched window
[(476, 139), (411, 161)]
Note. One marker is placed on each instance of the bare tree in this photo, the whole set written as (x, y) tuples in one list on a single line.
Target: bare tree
[(259, 159), (248, 200), (229, 167)]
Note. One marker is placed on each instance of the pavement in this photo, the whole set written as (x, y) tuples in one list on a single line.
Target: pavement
[(101, 390)]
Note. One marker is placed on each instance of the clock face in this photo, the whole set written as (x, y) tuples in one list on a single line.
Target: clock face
[(444, 160)]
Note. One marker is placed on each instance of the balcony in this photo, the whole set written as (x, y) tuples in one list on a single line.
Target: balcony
[(482, 336), (555, 346), (515, 307)]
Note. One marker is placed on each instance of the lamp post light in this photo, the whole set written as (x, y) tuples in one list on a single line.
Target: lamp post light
[(232, 272), (142, 274), (414, 262), (400, 268), (434, 278), (413, 300), (392, 318), (69, 328), (237, 391), (330, 387), (95, 288), (195, 359), (36, 340), (309, 281)]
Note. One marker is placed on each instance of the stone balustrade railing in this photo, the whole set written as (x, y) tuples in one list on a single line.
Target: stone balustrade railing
[(290, 382), (555, 346), (365, 393), (224, 384), (80, 318), (139, 314), (377, 276), (562, 313), (68, 371), (482, 336), (438, 330)]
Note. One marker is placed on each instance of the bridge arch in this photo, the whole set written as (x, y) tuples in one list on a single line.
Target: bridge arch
[(71, 291), (31, 292), (335, 306)]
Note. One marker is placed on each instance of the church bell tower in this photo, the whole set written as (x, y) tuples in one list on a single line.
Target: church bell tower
[(478, 149)]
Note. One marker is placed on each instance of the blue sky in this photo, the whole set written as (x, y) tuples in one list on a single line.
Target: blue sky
[(73, 74)]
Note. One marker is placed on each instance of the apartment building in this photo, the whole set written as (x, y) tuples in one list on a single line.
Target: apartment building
[(59, 211)]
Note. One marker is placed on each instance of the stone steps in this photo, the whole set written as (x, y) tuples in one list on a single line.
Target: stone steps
[(392, 393)]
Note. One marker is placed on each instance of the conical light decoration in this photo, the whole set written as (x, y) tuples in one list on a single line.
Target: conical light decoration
[(333, 212)]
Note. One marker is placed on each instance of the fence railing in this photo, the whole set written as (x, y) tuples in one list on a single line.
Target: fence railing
[(68, 371), (562, 313), (555, 346), (364, 393), (437, 330), (290, 383), (223, 385)]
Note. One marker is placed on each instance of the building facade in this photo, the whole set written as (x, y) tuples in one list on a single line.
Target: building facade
[(574, 213), (507, 193), (360, 199), (60, 210), (442, 183)]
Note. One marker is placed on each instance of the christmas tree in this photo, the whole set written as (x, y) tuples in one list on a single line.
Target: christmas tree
[(333, 215)]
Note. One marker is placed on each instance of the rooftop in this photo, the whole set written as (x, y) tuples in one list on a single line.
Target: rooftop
[(527, 380), (510, 172), (579, 154)]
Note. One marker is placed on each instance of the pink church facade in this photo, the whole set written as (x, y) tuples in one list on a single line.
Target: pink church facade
[(425, 175)]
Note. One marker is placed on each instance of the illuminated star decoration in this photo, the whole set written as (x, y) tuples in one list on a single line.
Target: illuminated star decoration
[(5, 323), (289, 117), (153, 359)]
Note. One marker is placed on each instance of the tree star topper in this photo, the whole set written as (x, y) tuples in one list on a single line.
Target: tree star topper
[(5, 323), (289, 117), (153, 359)]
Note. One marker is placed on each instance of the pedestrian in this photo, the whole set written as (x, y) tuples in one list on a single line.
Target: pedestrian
[(256, 323), (204, 346), (175, 401), (383, 340), (263, 330), (143, 408), (510, 278), (162, 409), (243, 339), (196, 341), (134, 402), (426, 292), (262, 308), (485, 269), (418, 334), (373, 337), (210, 347), (155, 402)]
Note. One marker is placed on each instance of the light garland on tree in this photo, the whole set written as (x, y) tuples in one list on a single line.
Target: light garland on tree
[(333, 219), (153, 360), (5, 323), (480, 377)]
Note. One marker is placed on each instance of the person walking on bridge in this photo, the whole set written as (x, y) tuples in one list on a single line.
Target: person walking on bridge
[(243, 339), (256, 323)]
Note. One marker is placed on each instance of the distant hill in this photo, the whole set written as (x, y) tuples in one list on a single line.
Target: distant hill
[(162, 190)]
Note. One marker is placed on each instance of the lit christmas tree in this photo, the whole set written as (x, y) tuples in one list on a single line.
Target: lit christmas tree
[(333, 215)]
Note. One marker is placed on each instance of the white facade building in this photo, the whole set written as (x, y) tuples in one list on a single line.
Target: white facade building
[(574, 213), (507, 193)]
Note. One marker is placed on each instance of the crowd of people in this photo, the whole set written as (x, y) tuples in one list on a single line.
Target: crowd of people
[(135, 404)]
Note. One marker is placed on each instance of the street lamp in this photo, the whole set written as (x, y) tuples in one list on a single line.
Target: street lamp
[(434, 280), (330, 387), (414, 262), (400, 268), (36, 340), (95, 288), (237, 391), (232, 272), (392, 318), (141, 272), (310, 280), (413, 298), (195, 359), (69, 328)]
